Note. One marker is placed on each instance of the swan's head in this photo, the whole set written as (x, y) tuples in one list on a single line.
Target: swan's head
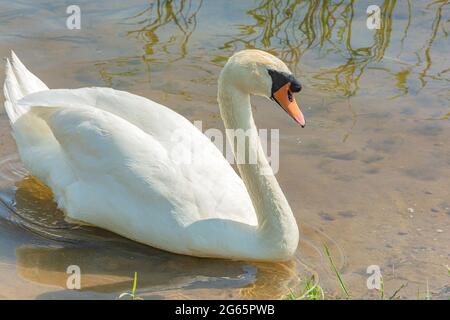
[(260, 73)]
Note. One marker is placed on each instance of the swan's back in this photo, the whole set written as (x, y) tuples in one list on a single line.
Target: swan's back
[(122, 162)]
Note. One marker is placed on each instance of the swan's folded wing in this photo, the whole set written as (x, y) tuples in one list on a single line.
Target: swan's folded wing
[(149, 116), (148, 148)]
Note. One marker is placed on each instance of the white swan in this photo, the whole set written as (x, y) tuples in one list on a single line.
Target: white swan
[(108, 157)]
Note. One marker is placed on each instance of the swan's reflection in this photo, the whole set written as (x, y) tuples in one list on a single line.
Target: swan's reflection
[(109, 270)]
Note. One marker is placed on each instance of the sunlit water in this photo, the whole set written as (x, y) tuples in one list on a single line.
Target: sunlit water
[(369, 175)]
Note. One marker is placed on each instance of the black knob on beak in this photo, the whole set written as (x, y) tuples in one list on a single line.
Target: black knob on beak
[(295, 85)]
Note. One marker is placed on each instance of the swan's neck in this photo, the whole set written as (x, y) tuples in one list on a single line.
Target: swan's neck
[(276, 223)]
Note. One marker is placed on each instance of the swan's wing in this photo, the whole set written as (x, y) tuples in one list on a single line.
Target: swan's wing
[(133, 146), (149, 116)]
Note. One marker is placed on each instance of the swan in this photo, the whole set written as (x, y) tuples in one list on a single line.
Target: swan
[(110, 159)]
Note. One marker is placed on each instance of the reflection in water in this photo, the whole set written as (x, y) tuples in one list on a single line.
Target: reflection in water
[(377, 146), (151, 21), (436, 27), (290, 29), (154, 26), (332, 35), (333, 32), (109, 270)]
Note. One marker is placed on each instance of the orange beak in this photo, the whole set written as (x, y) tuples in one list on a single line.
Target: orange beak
[(286, 100)]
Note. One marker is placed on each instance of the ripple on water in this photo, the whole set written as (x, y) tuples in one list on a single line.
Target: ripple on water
[(11, 169)]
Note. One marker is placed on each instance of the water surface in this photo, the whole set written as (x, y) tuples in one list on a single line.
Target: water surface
[(369, 176)]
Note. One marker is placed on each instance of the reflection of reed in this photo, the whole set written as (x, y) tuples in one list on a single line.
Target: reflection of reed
[(325, 25), (436, 25), (290, 28), (165, 27), (150, 22), (421, 69)]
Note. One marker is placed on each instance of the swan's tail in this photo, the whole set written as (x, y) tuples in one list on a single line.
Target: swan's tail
[(19, 82)]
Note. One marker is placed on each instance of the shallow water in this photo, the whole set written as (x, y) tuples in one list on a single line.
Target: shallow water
[(369, 175)]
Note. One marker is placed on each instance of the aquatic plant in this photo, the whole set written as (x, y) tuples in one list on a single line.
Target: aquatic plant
[(311, 290), (132, 293)]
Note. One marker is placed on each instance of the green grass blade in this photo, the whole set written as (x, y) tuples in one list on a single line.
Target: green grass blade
[(133, 291), (291, 295), (428, 296), (338, 276), (135, 282)]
